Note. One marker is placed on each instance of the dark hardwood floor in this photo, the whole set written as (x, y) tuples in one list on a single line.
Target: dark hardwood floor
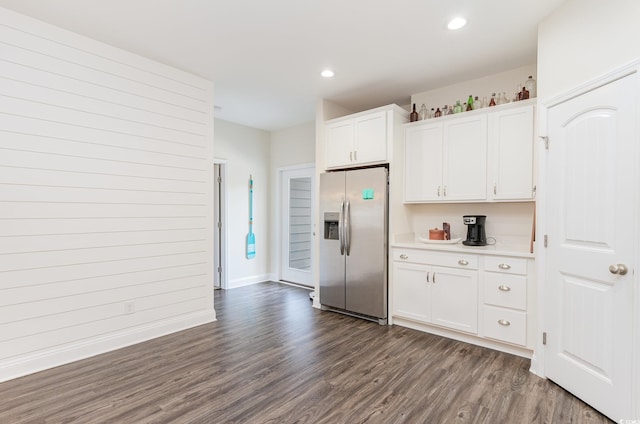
[(271, 358)]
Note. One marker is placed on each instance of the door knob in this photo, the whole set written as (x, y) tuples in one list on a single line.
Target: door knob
[(620, 269)]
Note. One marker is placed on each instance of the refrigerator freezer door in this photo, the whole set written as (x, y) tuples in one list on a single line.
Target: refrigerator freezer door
[(366, 263), (332, 261)]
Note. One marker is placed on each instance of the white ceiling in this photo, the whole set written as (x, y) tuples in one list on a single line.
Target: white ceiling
[(265, 57)]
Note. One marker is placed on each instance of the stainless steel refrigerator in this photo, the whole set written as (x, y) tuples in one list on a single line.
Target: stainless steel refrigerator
[(353, 246)]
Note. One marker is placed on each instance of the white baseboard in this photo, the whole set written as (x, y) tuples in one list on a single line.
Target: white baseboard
[(70, 353), (247, 281)]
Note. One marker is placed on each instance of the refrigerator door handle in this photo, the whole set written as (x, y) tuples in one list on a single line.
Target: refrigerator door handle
[(347, 228), (341, 228)]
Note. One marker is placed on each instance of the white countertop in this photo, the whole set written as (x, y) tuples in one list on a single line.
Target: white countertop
[(504, 246)]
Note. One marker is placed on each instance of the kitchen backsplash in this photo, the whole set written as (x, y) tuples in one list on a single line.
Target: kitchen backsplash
[(504, 220)]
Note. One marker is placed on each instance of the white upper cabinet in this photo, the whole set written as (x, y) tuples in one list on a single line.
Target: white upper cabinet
[(484, 155), (359, 140), (511, 154), (446, 161)]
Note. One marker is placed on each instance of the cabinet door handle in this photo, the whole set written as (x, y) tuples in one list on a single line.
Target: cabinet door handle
[(445, 191), (504, 266), (428, 277), (355, 155), (504, 322), (350, 156), (504, 288), (463, 262), (495, 191), (438, 191), (403, 256), (434, 278)]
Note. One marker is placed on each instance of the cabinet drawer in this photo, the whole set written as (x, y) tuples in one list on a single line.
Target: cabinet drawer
[(428, 257), (506, 325), (504, 264), (509, 291)]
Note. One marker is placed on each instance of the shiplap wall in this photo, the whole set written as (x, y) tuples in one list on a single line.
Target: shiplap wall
[(106, 197)]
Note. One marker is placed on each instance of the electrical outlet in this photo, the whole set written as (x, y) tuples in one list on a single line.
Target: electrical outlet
[(129, 307)]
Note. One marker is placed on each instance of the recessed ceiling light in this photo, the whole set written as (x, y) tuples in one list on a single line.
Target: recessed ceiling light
[(327, 73), (456, 23)]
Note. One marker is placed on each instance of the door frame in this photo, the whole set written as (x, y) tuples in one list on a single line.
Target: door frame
[(278, 241), (544, 289), (224, 213)]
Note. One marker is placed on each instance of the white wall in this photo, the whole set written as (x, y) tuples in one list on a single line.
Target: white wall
[(290, 147), (246, 151), (584, 39), (106, 193), (506, 81)]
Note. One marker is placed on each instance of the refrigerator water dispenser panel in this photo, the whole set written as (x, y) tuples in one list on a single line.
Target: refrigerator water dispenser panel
[(331, 220)]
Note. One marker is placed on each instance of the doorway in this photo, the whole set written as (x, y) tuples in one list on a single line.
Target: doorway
[(591, 224), (297, 194), (219, 227)]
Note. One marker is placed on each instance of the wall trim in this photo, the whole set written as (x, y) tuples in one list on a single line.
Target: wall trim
[(36, 362), (247, 281)]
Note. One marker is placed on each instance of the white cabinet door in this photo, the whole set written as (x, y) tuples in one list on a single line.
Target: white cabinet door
[(370, 143), (511, 154), (423, 163), (339, 143), (454, 295), (465, 159), (411, 293)]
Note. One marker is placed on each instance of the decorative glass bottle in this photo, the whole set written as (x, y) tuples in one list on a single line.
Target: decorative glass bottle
[(414, 115), (458, 107), (530, 85), (470, 103), (437, 114), (492, 102), (422, 115)]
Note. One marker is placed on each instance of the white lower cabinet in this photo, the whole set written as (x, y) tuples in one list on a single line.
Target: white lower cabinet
[(484, 296), (434, 294)]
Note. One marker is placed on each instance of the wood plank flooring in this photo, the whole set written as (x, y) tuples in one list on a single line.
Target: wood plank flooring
[(271, 358)]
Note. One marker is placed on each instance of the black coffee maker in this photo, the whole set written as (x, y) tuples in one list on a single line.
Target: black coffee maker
[(475, 230)]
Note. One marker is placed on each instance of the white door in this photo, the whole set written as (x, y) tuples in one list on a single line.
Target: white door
[(423, 163), (465, 159), (592, 220), (296, 253), (371, 138)]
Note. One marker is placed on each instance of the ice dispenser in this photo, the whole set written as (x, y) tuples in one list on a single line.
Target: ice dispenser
[(331, 222)]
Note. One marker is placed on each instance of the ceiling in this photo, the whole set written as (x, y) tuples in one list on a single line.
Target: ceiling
[(265, 57)]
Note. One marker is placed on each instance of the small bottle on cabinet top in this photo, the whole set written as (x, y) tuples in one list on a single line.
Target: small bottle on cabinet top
[(477, 104), (458, 107), (422, 115), (437, 114), (432, 113), (470, 103), (530, 85), (414, 115), (492, 102)]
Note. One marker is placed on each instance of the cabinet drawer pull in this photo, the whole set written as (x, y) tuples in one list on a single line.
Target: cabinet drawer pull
[(504, 288), (504, 322), (504, 266), (463, 262), (403, 256)]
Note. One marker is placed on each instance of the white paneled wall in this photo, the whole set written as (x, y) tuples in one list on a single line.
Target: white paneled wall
[(106, 197)]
